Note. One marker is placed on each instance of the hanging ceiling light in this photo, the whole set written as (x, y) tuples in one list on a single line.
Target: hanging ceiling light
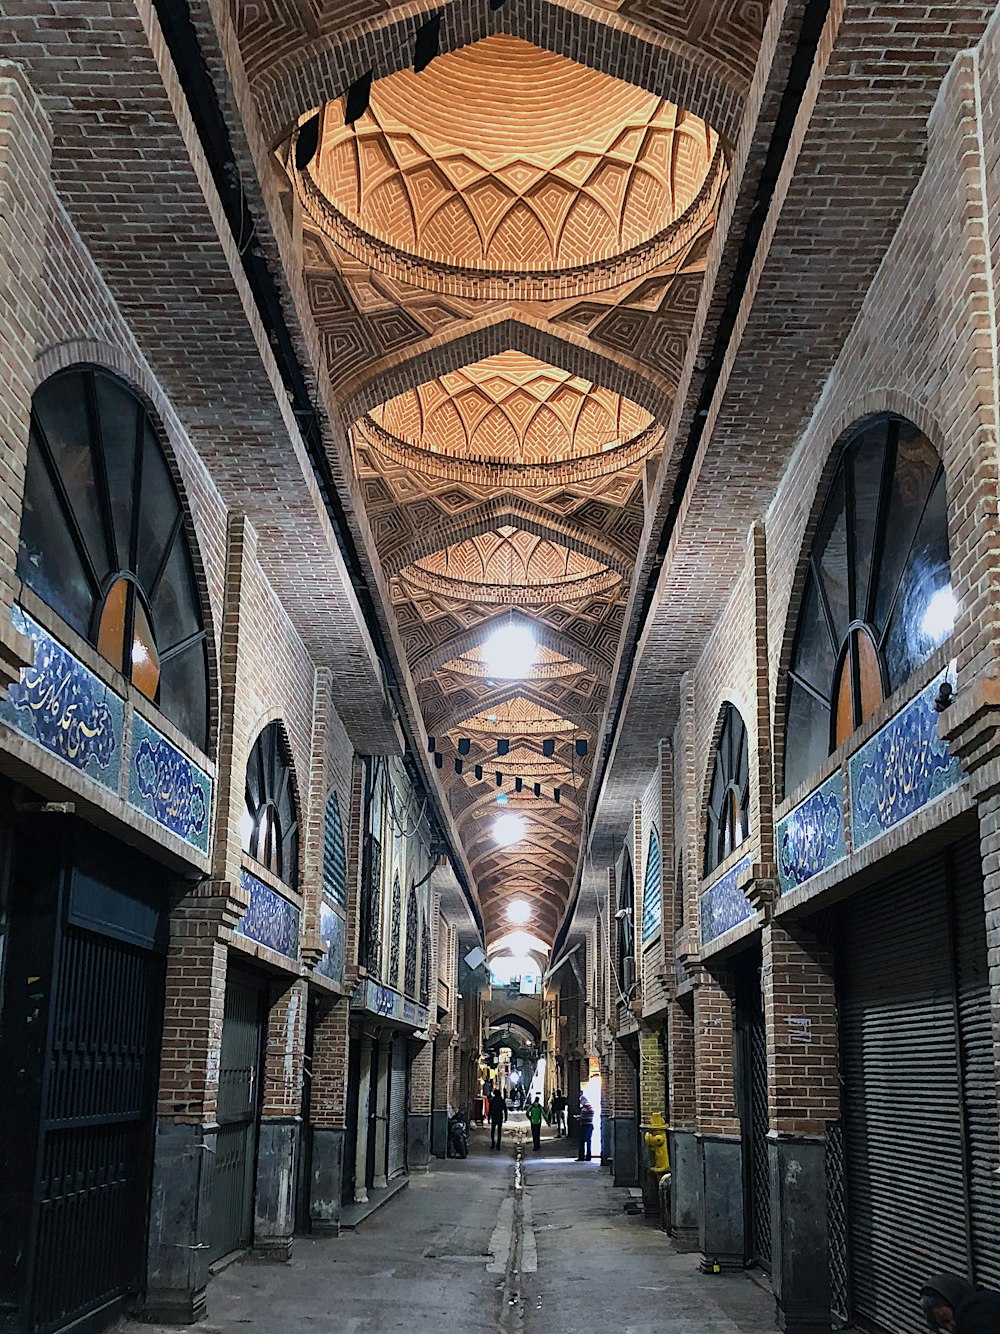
[(510, 652), (508, 829)]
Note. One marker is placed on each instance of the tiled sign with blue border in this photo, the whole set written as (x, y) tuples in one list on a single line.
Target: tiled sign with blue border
[(372, 996), (60, 704), (905, 765), (168, 787), (724, 905), (270, 919), (811, 835), (331, 931)]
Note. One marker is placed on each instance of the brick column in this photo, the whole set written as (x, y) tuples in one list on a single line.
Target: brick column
[(177, 1268), (685, 1166), (444, 1064), (624, 1117), (281, 1119), (720, 1148), (803, 1097), (25, 161), (328, 1114), (419, 1121), (652, 1099), (195, 1001)]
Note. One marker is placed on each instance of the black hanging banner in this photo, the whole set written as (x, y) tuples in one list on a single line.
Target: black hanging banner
[(358, 96), (427, 44)]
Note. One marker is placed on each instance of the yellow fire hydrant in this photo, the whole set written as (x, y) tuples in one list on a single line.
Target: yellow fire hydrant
[(657, 1155)]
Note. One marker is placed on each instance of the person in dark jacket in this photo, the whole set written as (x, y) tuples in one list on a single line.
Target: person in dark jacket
[(585, 1130), (951, 1303), (498, 1115)]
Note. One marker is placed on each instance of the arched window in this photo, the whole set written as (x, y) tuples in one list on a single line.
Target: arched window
[(679, 894), (652, 892), (395, 932), (425, 966), (334, 855), (412, 927), (626, 926), (103, 540), (877, 598), (728, 819), (269, 829)]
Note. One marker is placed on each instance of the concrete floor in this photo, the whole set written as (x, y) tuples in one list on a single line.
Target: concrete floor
[(490, 1245)]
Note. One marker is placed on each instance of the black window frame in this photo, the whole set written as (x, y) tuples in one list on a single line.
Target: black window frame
[(730, 779), (121, 565), (271, 803)]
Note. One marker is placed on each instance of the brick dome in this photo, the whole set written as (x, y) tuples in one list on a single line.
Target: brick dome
[(504, 159)]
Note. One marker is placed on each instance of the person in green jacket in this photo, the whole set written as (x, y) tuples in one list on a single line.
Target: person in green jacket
[(535, 1113)]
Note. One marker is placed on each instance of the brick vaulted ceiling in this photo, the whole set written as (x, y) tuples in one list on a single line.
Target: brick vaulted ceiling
[(503, 257)]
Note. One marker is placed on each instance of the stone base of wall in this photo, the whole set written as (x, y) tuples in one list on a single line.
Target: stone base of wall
[(274, 1201), (177, 1271), (685, 1189), (721, 1236), (326, 1182), (625, 1149), (418, 1142)]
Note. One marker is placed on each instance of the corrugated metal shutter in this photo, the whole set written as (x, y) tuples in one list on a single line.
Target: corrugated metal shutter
[(903, 1112), (979, 1078), (397, 1107)]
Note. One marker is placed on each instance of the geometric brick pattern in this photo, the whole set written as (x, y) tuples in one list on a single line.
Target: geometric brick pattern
[(441, 169)]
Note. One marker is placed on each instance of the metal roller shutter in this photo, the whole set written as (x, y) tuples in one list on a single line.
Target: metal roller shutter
[(979, 1078), (903, 1113), (397, 1107)]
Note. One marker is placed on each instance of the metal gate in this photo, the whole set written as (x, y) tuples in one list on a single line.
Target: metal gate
[(398, 1081), (236, 1141), (81, 1055), (920, 1130), (90, 1219), (754, 1117)]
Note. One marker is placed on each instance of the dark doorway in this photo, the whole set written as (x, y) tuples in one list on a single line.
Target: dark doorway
[(234, 1172), (81, 1026), (751, 1057)]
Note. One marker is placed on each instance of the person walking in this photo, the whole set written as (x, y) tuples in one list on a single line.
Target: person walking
[(498, 1115), (535, 1113), (585, 1124), (559, 1105)]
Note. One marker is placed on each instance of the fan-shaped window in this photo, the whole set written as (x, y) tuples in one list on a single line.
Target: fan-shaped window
[(395, 932), (269, 829), (652, 893), (877, 598), (334, 854), (626, 926), (103, 540), (728, 822), (412, 927)]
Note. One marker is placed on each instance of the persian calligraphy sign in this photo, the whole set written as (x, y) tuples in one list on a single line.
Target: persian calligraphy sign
[(269, 920), (724, 905), (168, 787), (60, 704), (905, 765), (811, 835)]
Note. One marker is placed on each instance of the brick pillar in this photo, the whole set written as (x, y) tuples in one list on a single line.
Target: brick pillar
[(195, 1000), (328, 1114), (685, 1163), (25, 158), (720, 1149), (444, 1065), (281, 1119), (419, 1121), (803, 1097), (624, 1116), (177, 1269), (652, 1099)]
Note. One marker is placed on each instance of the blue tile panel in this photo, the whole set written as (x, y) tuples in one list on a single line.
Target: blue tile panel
[(63, 706), (168, 787), (652, 893), (901, 768), (270, 919), (723, 905), (371, 996), (811, 835), (331, 930)]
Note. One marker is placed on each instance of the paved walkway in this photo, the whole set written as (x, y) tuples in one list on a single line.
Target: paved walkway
[(491, 1245)]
